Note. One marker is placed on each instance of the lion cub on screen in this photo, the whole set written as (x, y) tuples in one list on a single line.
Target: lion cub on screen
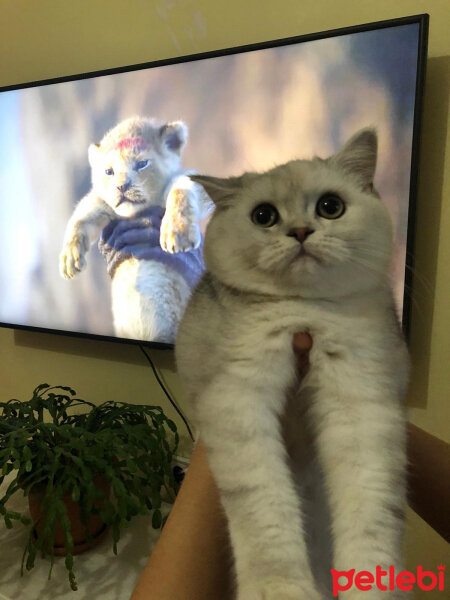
[(136, 166)]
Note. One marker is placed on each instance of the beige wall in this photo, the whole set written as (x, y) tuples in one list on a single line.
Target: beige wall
[(51, 38)]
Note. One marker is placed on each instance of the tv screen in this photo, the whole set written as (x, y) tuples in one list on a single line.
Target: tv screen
[(99, 157)]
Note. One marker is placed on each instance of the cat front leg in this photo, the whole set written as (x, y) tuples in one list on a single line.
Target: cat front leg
[(90, 216), (180, 229), (360, 435), (239, 425)]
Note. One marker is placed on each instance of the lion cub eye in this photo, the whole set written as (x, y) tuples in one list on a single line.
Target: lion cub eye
[(109, 171), (265, 215), (141, 164)]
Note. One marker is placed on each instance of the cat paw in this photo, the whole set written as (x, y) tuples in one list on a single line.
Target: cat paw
[(179, 235), (279, 589), (72, 258)]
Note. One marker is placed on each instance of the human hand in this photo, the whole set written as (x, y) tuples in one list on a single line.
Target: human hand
[(140, 238), (302, 343), (137, 237)]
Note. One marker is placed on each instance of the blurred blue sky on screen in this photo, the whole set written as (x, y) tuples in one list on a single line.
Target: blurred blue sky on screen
[(17, 214)]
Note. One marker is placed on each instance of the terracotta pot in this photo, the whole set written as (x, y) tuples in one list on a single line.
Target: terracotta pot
[(96, 527)]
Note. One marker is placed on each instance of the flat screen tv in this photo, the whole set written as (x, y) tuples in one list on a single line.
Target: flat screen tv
[(225, 112)]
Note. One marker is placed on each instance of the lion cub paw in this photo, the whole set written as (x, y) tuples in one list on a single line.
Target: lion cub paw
[(179, 234), (72, 258)]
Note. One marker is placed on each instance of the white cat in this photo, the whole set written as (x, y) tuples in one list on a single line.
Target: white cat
[(311, 475), (137, 165)]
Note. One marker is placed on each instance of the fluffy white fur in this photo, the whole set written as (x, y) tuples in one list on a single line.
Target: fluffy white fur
[(311, 474), (147, 298)]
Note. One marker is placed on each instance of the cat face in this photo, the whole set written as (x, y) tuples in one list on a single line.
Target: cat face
[(132, 164), (314, 228)]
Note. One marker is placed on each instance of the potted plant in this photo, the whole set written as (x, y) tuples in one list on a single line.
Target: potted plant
[(98, 465)]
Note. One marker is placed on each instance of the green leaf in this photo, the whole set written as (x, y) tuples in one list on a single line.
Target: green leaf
[(31, 557), (171, 425), (131, 466), (156, 519), (75, 493), (67, 389), (73, 583), (69, 562), (41, 387)]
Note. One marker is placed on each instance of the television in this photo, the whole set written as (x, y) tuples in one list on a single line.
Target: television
[(229, 111)]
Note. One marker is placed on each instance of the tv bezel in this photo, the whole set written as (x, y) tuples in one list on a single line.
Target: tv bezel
[(421, 19)]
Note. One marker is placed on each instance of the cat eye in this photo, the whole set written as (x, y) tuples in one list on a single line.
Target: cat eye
[(109, 171), (141, 164), (265, 215), (330, 206)]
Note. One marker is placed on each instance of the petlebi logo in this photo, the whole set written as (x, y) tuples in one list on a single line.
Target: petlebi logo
[(388, 580)]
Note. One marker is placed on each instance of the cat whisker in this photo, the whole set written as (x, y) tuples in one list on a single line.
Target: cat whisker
[(418, 277), (366, 265), (416, 304)]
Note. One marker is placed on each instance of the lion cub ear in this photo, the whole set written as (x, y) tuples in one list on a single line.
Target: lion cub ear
[(93, 153), (174, 136)]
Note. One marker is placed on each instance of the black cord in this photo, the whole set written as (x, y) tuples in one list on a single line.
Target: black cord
[(164, 389)]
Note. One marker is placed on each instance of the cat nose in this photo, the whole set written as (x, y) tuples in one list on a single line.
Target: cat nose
[(125, 186), (301, 233)]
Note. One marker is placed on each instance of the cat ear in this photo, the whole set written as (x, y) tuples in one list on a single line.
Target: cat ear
[(93, 152), (174, 135), (219, 190), (358, 157)]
